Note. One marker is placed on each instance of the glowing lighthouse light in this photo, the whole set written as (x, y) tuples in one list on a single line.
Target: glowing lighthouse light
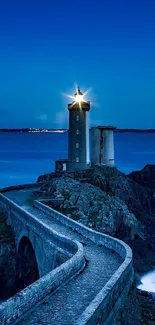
[(79, 96)]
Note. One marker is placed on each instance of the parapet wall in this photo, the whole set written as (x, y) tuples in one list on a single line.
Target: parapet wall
[(21, 187), (39, 228), (15, 307), (104, 307)]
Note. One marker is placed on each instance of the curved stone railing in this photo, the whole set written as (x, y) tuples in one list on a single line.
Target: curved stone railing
[(37, 226), (21, 187), (15, 307), (105, 305), (103, 309)]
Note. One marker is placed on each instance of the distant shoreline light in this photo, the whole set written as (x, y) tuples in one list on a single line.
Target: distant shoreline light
[(37, 130), (46, 130)]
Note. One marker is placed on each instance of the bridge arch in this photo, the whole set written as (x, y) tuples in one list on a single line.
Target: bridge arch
[(27, 267)]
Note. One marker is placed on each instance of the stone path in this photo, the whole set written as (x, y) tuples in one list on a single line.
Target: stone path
[(68, 303)]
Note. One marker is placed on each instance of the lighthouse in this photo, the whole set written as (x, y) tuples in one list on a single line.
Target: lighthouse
[(78, 134), (102, 139)]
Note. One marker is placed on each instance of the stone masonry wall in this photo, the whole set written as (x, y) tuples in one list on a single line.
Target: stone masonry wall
[(106, 304), (130, 310), (19, 304)]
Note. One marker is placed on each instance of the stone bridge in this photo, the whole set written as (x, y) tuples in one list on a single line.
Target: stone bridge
[(81, 276)]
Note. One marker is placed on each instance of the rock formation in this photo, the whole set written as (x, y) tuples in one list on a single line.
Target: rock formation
[(111, 202), (144, 177)]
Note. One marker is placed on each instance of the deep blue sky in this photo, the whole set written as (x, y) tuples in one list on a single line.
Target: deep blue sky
[(48, 46)]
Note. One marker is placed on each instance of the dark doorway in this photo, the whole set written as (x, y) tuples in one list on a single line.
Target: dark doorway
[(27, 268)]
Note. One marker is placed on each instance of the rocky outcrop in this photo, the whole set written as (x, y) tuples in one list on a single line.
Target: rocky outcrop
[(107, 200), (92, 207), (145, 176), (7, 260), (147, 304)]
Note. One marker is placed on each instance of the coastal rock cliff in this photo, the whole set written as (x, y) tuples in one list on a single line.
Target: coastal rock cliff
[(144, 177), (91, 206), (107, 200)]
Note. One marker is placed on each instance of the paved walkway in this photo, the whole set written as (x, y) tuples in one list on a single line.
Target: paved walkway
[(68, 303)]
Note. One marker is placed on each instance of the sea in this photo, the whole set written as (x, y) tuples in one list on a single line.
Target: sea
[(25, 156)]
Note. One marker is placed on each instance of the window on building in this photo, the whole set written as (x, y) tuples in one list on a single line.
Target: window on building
[(77, 145), (77, 131), (77, 118), (77, 159)]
